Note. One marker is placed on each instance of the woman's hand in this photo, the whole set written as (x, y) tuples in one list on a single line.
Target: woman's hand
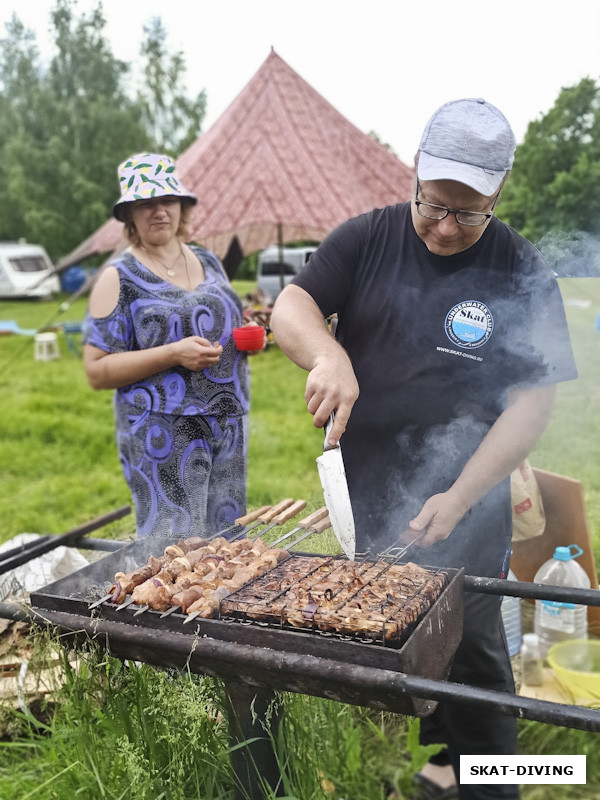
[(196, 353)]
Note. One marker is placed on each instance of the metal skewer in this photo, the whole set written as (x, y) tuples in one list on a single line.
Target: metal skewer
[(390, 550), (124, 604), (273, 515), (317, 527), (243, 521), (102, 600), (170, 610)]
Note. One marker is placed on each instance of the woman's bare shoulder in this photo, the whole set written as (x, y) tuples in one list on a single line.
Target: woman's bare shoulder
[(105, 292)]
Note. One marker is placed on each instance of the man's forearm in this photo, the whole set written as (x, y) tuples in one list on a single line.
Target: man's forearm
[(299, 328), (301, 332), (506, 444)]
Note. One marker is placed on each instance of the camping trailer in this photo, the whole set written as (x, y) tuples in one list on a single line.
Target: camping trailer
[(271, 273), (26, 271)]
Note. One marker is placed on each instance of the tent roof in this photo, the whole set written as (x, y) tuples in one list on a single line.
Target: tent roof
[(279, 162)]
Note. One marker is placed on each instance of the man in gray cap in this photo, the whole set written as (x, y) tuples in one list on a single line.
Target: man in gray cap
[(450, 340)]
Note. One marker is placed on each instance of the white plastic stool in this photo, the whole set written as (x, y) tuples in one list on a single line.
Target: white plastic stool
[(45, 346)]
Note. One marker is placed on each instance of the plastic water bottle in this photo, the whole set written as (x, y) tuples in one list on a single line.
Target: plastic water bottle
[(532, 664), (511, 617), (555, 621)]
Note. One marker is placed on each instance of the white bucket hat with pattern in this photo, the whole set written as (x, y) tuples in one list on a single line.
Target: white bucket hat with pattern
[(147, 175)]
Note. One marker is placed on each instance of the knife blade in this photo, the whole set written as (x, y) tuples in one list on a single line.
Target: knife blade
[(335, 492)]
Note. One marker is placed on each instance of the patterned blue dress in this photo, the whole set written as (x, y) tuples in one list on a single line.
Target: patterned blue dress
[(182, 435)]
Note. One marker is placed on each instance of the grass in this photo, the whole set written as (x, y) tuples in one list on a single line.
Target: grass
[(59, 469)]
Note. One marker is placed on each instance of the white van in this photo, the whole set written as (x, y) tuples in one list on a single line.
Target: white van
[(271, 276), (26, 271)]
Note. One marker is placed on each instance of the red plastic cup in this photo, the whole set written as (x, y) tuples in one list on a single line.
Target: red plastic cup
[(250, 337)]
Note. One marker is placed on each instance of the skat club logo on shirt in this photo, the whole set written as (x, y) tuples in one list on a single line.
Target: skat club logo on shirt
[(469, 324)]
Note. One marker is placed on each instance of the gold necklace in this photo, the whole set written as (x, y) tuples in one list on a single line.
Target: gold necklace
[(169, 270)]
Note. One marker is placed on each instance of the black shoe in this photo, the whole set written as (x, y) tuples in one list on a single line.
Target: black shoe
[(426, 789)]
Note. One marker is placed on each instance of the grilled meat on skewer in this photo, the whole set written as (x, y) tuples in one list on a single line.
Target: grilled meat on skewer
[(125, 583), (163, 582)]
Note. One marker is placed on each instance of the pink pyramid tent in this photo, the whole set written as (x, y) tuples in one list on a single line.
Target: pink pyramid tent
[(279, 165)]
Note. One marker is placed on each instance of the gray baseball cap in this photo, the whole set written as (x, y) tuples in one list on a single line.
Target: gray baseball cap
[(469, 141)]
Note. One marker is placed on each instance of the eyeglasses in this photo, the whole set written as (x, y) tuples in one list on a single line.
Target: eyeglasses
[(431, 211)]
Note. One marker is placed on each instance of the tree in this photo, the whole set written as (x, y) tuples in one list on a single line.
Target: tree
[(70, 125), (555, 183), (65, 127), (172, 119)]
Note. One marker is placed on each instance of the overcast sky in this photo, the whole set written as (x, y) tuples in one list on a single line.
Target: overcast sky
[(385, 64)]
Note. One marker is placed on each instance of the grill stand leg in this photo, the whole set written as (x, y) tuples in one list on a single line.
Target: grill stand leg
[(255, 764)]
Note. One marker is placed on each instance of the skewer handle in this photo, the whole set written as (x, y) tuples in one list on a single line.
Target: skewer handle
[(290, 512), (321, 525), (318, 527), (275, 510), (252, 515), (316, 516)]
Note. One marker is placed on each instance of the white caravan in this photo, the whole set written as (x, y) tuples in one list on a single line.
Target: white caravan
[(26, 271)]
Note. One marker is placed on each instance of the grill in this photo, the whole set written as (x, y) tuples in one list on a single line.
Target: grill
[(257, 616), (257, 652)]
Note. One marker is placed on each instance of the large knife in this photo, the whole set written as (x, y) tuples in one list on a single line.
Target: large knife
[(335, 492)]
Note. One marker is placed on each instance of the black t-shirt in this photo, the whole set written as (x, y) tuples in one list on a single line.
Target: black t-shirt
[(435, 342)]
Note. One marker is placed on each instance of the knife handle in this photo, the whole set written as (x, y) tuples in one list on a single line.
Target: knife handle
[(272, 513), (251, 516), (316, 516), (290, 512), (327, 428), (322, 524)]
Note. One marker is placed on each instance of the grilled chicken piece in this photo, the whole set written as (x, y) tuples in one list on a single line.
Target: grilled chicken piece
[(125, 583), (143, 591), (239, 578), (186, 597), (192, 543), (209, 602)]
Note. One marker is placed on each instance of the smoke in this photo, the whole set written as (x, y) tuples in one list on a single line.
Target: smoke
[(574, 254), (435, 463)]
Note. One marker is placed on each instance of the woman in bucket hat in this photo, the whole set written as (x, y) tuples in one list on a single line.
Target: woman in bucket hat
[(159, 332)]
